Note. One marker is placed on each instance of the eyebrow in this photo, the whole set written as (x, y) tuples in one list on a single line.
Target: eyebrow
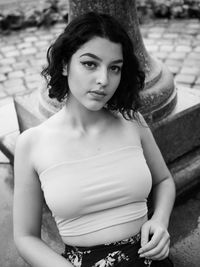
[(96, 57)]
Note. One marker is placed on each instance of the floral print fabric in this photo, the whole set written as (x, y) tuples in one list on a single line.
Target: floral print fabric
[(123, 253)]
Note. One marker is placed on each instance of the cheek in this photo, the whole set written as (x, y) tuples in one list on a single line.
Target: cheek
[(116, 81), (75, 79)]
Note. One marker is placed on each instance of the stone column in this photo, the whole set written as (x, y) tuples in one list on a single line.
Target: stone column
[(159, 94)]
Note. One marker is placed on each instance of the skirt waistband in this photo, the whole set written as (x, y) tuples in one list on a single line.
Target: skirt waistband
[(131, 240)]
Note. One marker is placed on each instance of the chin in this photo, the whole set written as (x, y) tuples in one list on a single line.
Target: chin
[(95, 107)]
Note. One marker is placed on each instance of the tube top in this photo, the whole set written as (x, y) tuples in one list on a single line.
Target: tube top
[(97, 192)]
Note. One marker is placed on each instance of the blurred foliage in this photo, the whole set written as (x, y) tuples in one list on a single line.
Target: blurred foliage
[(168, 9), (49, 13), (53, 11)]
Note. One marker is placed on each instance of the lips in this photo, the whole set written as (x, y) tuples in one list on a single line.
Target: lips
[(97, 93)]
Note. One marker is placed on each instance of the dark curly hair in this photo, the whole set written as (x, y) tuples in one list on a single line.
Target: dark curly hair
[(126, 99)]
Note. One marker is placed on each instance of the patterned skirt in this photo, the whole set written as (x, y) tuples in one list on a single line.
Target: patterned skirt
[(123, 253)]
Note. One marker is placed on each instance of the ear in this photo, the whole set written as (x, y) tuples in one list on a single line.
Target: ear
[(65, 72)]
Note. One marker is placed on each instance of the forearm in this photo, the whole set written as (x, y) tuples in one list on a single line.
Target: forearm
[(163, 200), (35, 252)]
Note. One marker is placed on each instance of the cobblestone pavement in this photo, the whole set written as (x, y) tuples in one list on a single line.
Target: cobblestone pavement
[(177, 44)]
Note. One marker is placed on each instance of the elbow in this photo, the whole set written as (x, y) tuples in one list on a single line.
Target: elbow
[(19, 245), (23, 242), (20, 242)]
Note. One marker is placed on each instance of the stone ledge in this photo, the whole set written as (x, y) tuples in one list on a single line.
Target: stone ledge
[(179, 133), (186, 171)]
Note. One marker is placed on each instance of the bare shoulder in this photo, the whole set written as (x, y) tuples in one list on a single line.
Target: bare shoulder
[(32, 136), (26, 139), (142, 127)]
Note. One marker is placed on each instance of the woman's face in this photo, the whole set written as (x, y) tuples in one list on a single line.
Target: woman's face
[(94, 73)]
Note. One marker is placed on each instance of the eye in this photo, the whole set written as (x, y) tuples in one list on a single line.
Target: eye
[(89, 64), (115, 69)]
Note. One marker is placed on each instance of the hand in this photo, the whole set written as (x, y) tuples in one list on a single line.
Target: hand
[(157, 248)]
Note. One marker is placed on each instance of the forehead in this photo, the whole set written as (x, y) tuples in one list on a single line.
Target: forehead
[(103, 48)]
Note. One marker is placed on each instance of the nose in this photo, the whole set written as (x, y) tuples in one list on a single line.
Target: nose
[(102, 76)]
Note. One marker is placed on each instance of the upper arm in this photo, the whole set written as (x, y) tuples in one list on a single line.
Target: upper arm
[(28, 197), (153, 156)]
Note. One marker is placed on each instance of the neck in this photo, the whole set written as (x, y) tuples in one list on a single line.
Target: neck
[(84, 120)]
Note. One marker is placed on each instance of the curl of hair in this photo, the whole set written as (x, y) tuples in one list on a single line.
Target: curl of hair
[(126, 99)]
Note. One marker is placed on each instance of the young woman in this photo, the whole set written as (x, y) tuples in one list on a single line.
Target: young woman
[(95, 161)]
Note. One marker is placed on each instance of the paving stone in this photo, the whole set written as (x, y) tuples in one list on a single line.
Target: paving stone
[(30, 39), (176, 27), (24, 45), (185, 36), (12, 82), (195, 55), (42, 56), (177, 55), (16, 74), (192, 31), (32, 78), (197, 49), (30, 70), (192, 62), (180, 85), (14, 90), (13, 53), (41, 61), (197, 81), (157, 29), (155, 35), (164, 42), (46, 37), (170, 35), (20, 65), (8, 48), (34, 85), (29, 51), (38, 63), (42, 44), (5, 69), (166, 48), (182, 41), (152, 48), (190, 70), (148, 41), (183, 48), (2, 77), (194, 25), (7, 61), (185, 78), (174, 69), (27, 58), (161, 55), (173, 62)]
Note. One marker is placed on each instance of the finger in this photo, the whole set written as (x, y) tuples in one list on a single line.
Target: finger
[(152, 243), (162, 255), (155, 240), (158, 250), (144, 235)]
